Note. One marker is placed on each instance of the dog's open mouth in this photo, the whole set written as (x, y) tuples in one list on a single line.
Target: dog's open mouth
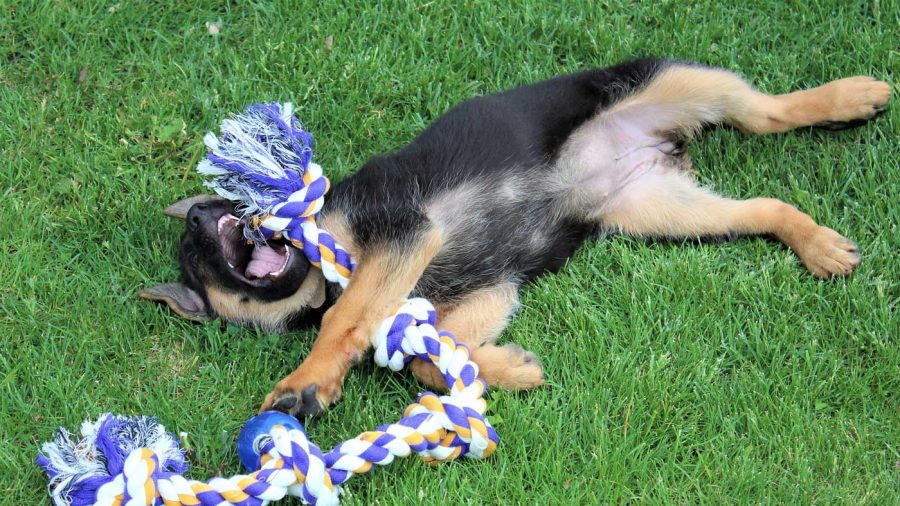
[(248, 260)]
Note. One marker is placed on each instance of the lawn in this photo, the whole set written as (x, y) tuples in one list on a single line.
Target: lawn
[(676, 373)]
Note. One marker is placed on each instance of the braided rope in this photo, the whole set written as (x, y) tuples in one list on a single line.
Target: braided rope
[(298, 212), (282, 191), (438, 428)]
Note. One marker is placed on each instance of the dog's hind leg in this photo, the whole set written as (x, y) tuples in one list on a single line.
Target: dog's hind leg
[(685, 97), (477, 321), (668, 203), (624, 160)]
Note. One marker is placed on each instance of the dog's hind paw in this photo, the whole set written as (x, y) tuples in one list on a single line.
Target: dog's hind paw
[(828, 253), (856, 100), (509, 366)]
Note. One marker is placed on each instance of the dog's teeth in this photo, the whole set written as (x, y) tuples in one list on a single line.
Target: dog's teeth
[(286, 258)]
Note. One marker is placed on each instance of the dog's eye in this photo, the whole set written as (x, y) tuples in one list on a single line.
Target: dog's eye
[(193, 259)]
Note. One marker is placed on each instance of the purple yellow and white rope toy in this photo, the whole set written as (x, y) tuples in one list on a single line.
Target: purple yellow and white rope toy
[(263, 161)]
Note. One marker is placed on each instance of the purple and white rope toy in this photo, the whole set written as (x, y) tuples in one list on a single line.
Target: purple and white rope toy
[(263, 161)]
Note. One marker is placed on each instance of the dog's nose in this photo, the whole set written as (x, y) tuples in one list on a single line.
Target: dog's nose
[(195, 216)]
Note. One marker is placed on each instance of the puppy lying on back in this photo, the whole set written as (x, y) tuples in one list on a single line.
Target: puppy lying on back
[(499, 190)]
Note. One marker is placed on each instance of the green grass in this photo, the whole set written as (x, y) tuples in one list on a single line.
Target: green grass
[(677, 373)]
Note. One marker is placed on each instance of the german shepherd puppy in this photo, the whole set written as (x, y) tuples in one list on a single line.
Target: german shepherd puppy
[(499, 190)]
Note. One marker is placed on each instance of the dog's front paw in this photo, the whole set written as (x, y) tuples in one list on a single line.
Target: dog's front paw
[(301, 397)]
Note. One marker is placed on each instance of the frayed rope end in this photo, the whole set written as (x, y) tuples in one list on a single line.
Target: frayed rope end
[(258, 160), (78, 468)]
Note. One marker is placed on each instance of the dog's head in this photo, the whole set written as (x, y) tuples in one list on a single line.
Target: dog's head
[(224, 276)]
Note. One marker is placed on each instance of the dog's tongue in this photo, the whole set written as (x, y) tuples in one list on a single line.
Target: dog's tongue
[(264, 261)]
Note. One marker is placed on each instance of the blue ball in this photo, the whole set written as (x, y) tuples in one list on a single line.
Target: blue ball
[(258, 426)]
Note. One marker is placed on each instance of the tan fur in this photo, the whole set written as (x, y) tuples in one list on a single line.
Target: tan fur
[(478, 321), (509, 366), (843, 100), (481, 316), (268, 315), (671, 205), (380, 284), (694, 96)]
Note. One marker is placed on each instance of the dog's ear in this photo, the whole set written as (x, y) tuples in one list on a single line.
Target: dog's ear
[(180, 208), (182, 299)]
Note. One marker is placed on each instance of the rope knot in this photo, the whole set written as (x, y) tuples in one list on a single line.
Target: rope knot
[(468, 433), (301, 461), (137, 482), (285, 216)]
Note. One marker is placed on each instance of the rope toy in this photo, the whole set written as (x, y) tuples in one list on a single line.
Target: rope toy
[(263, 161)]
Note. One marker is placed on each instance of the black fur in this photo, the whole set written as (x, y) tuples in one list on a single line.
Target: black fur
[(485, 137), (486, 140), (484, 148)]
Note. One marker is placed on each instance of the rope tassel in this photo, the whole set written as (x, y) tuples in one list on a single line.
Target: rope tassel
[(263, 161)]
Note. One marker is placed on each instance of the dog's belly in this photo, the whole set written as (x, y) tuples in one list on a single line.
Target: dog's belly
[(609, 153)]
